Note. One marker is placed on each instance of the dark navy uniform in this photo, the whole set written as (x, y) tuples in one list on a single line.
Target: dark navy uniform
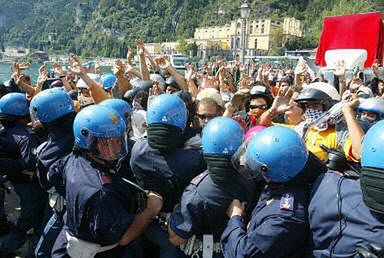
[(167, 174), (203, 206), (18, 145), (98, 205), (278, 226), (360, 226), (59, 144)]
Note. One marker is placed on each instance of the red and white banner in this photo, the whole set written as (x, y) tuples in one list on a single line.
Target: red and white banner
[(353, 31)]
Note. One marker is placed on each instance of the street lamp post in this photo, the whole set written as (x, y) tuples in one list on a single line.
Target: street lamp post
[(244, 13)]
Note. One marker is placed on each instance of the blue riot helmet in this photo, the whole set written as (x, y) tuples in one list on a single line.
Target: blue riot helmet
[(372, 105), (167, 109), (372, 172), (100, 130), (120, 106), (166, 119), (373, 147), (13, 105), (50, 105), (278, 153), (222, 136), (108, 80)]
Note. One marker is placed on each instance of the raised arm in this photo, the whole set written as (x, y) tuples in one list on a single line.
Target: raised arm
[(97, 93)]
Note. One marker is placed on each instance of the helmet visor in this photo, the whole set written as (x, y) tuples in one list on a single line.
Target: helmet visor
[(239, 163), (111, 148)]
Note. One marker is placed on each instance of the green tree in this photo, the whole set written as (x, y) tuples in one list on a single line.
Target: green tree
[(184, 47)]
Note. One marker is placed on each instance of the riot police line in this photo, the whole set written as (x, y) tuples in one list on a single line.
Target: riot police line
[(310, 189)]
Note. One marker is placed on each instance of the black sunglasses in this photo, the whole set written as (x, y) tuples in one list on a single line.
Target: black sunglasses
[(263, 107), (206, 116)]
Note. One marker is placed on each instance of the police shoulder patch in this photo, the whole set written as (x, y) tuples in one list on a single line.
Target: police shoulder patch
[(287, 202), (105, 179), (198, 178)]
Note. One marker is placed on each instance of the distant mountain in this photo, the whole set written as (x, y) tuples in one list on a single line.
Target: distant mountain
[(107, 27)]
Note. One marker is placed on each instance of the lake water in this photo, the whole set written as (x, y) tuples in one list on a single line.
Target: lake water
[(5, 71), (33, 72)]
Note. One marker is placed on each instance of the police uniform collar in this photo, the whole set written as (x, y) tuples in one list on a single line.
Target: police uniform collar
[(98, 163)]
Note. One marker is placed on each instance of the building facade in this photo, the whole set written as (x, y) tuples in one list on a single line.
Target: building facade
[(226, 40)]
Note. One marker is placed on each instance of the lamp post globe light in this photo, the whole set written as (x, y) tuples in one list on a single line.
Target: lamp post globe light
[(244, 13)]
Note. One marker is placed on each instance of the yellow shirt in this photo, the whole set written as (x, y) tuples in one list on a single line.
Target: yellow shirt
[(314, 139)]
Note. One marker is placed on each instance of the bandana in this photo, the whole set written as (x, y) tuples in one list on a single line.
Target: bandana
[(311, 116)]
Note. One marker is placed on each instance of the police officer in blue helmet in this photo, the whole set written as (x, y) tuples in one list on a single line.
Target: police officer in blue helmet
[(278, 225), (371, 110), (346, 212), (124, 110), (54, 109), (17, 162), (99, 214), (200, 218), (162, 165)]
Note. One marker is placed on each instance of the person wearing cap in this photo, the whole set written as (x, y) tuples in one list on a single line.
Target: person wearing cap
[(260, 100), (171, 85), (207, 109), (315, 100)]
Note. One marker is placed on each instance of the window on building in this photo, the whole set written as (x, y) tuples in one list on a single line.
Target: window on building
[(237, 43), (262, 30), (255, 43), (238, 25), (232, 44), (251, 29), (257, 26)]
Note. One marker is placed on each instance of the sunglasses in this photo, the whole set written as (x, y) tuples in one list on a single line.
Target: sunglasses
[(263, 107), (206, 116)]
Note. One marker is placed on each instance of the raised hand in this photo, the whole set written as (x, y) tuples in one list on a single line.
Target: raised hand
[(58, 69), (163, 62), (129, 54), (140, 47), (43, 69), (239, 97), (281, 102), (118, 68), (41, 79), (190, 72), (76, 66), (301, 68)]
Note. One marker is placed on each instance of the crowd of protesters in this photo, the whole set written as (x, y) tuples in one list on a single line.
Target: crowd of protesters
[(227, 160)]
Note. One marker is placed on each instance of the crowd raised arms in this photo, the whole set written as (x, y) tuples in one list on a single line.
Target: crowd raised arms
[(224, 160)]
